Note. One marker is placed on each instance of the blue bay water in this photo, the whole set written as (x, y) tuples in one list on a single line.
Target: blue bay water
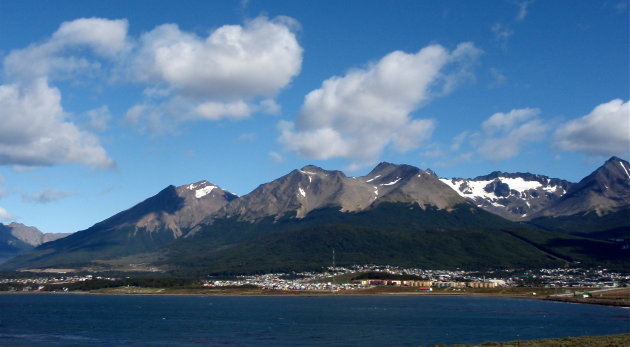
[(100, 320)]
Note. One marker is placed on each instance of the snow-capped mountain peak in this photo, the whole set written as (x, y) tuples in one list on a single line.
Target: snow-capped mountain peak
[(201, 188), (512, 195)]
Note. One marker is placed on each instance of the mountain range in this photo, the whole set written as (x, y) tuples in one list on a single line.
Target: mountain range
[(525, 196), (396, 214)]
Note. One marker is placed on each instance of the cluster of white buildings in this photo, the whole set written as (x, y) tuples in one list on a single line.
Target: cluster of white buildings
[(427, 279), (281, 281), (39, 283), (341, 278), (576, 277), (325, 281)]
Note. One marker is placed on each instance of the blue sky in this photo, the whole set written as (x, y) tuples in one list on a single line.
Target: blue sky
[(105, 103)]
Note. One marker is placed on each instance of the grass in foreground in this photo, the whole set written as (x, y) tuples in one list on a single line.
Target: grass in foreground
[(622, 340)]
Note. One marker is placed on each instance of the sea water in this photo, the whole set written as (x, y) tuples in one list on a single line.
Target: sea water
[(103, 320)]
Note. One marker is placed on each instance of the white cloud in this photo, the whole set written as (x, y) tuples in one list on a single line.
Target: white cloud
[(356, 116), (106, 37), (276, 157), (215, 110), (5, 215), (502, 136), (151, 118), (162, 117), (506, 121), (459, 140), (498, 77), (414, 133), (502, 32), (522, 10), (34, 131), (234, 72), (604, 131), (60, 56), (99, 118), (46, 196), (511, 140)]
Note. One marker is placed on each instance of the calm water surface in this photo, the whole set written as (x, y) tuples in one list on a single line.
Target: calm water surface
[(94, 320)]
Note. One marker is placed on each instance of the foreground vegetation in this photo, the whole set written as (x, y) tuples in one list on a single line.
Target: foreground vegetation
[(584, 341)]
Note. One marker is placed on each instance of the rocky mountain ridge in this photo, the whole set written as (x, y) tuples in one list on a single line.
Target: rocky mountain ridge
[(311, 188), (526, 196), (605, 190), (515, 196)]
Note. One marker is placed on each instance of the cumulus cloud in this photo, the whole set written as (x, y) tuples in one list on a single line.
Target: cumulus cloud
[(357, 115), (61, 56), (503, 135), (511, 140), (46, 196), (34, 130), (162, 116), (5, 215), (501, 122), (98, 118), (232, 62), (604, 131), (234, 72)]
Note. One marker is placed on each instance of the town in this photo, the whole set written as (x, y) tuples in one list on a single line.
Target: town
[(359, 277)]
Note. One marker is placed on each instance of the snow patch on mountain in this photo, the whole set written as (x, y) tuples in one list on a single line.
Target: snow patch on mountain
[(309, 174), (372, 179), (624, 169), (513, 196), (200, 193), (392, 183), (201, 189)]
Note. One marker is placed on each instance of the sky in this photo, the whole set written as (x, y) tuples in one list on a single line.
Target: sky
[(105, 103)]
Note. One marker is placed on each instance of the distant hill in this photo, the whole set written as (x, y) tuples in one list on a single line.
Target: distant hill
[(16, 238)]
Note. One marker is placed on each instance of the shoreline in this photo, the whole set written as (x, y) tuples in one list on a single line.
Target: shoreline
[(234, 292)]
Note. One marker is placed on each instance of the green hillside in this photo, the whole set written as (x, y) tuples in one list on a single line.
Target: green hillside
[(611, 225), (82, 248), (391, 234), (399, 234)]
